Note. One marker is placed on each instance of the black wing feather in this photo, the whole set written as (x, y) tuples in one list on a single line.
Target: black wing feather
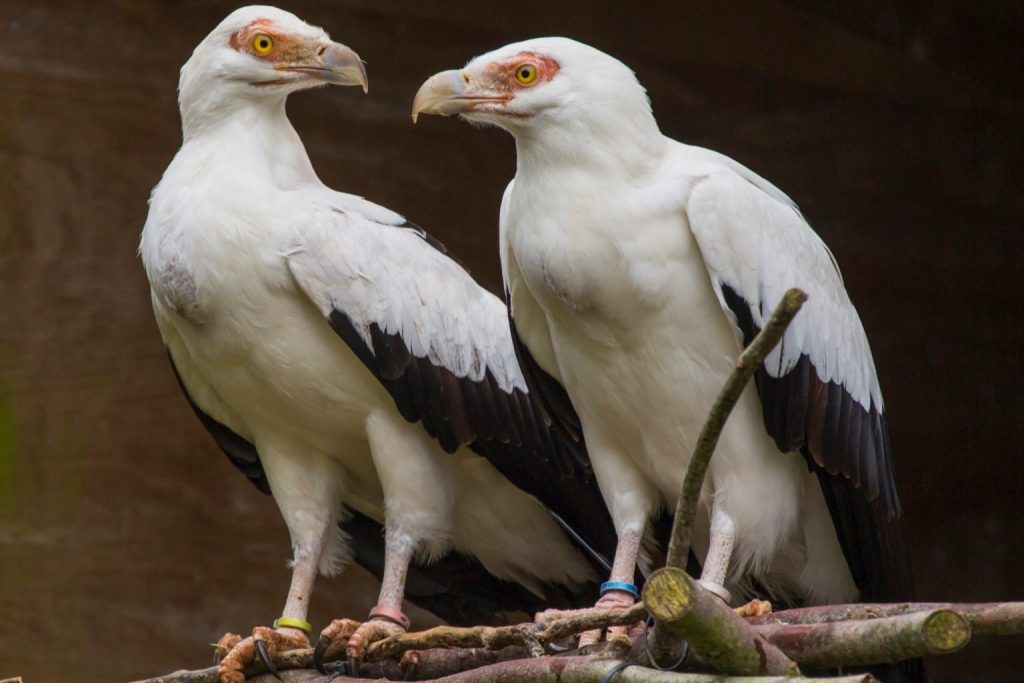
[(512, 429), (528, 448), (849, 449), (240, 452)]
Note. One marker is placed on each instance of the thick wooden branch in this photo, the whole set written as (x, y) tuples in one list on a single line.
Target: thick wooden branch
[(826, 636), (425, 665), (593, 670), (717, 635), (747, 364), (873, 641), (985, 618), (573, 669)]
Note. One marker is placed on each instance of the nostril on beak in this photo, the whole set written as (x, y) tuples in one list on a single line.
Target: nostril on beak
[(321, 51)]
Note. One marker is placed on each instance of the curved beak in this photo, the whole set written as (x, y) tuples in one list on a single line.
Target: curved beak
[(337, 64), (449, 92)]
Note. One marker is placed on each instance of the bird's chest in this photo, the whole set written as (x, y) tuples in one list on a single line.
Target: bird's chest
[(586, 261), (562, 264), (213, 273)]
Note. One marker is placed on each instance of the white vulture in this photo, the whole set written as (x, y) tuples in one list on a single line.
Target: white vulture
[(636, 267), (350, 367)]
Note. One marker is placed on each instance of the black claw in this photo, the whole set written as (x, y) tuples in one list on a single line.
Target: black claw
[(261, 650), (353, 667), (318, 653)]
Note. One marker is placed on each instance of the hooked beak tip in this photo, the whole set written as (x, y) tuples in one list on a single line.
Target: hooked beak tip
[(440, 94), (342, 66)]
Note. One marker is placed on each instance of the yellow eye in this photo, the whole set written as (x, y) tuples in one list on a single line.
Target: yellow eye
[(262, 43), (526, 73)]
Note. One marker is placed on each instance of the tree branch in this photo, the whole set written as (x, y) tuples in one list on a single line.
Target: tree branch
[(532, 634), (586, 669), (985, 618), (424, 665), (593, 669), (743, 640), (874, 641), (747, 364), (717, 635), (826, 636)]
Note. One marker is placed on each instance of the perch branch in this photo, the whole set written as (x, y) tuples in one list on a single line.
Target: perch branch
[(717, 635), (861, 642), (747, 364), (530, 634), (827, 635), (425, 665), (592, 670), (585, 669), (686, 506), (985, 618)]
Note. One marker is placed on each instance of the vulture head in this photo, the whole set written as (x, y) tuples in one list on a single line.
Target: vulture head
[(260, 53), (541, 83)]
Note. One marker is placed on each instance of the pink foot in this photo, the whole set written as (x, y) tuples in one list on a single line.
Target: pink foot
[(611, 600)]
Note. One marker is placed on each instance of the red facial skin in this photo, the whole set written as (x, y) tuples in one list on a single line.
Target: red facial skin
[(503, 74), (287, 49)]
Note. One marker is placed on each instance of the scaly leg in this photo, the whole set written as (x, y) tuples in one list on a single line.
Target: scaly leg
[(386, 619), (716, 564), (264, 642), (623, 569)]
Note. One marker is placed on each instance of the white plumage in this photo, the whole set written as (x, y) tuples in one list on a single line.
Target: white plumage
[(249, 254), (636, 267)]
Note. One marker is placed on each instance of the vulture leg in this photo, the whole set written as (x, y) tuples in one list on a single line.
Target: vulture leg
[(309, 527), (623, 570), (264, 642), (386, 619), (716, 564)]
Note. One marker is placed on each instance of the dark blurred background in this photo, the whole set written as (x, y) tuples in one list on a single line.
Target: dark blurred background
[(128, 543)]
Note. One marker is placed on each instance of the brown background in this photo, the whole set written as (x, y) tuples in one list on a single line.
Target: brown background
[(128, 543)]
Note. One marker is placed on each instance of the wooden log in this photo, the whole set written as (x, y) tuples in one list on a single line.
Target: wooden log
[(860, 642), (585, 669), (718, 637), (985, 618), (593, 670), (427, 665)]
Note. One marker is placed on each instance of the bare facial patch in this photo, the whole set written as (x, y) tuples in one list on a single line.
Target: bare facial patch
[(503, 74), (286, 48)]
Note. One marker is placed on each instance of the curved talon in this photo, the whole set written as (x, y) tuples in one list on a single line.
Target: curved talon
[(261, 650), (353, 667), (318, 653)]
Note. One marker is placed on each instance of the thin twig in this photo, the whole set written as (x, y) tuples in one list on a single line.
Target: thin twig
[(542, 632), (749, 361)]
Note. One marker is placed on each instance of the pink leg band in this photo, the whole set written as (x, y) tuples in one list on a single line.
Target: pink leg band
[(395, 616)]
